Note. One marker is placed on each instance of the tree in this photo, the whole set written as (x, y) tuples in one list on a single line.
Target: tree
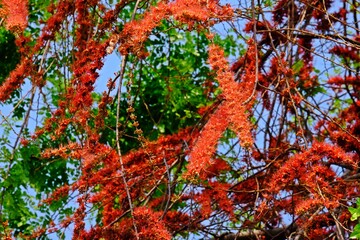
[(225, 121)]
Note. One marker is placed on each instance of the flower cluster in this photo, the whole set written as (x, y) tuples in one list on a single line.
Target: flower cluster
[(15, 80), (309, 174), (16, 13), (232, 113), (188, 12)]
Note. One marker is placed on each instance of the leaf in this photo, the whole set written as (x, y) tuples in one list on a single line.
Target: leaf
[(355, 213), (297, 66), (356, 232)]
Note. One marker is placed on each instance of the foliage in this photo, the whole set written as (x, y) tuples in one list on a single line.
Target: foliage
[(224, 121), (8, 53), (355, 214)]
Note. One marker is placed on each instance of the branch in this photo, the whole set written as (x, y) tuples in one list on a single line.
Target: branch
[(269, 234)]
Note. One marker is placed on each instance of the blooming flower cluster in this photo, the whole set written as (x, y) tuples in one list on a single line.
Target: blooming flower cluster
[(232, 113), (16, 13)]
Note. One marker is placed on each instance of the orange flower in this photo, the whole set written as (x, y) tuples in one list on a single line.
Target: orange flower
[(200, 156), (231, 113), (16, 14)]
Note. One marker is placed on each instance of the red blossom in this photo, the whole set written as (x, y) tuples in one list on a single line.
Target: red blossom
[(149, 225), (16, 12), (16, 79), (346, 52), (200, 156), (232, 113)]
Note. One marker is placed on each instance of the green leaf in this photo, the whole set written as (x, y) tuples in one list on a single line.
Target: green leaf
[(356, 233), (355, 213), (297, 66)]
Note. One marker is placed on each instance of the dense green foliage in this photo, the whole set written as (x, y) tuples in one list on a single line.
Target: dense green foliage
[(9, 57)]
